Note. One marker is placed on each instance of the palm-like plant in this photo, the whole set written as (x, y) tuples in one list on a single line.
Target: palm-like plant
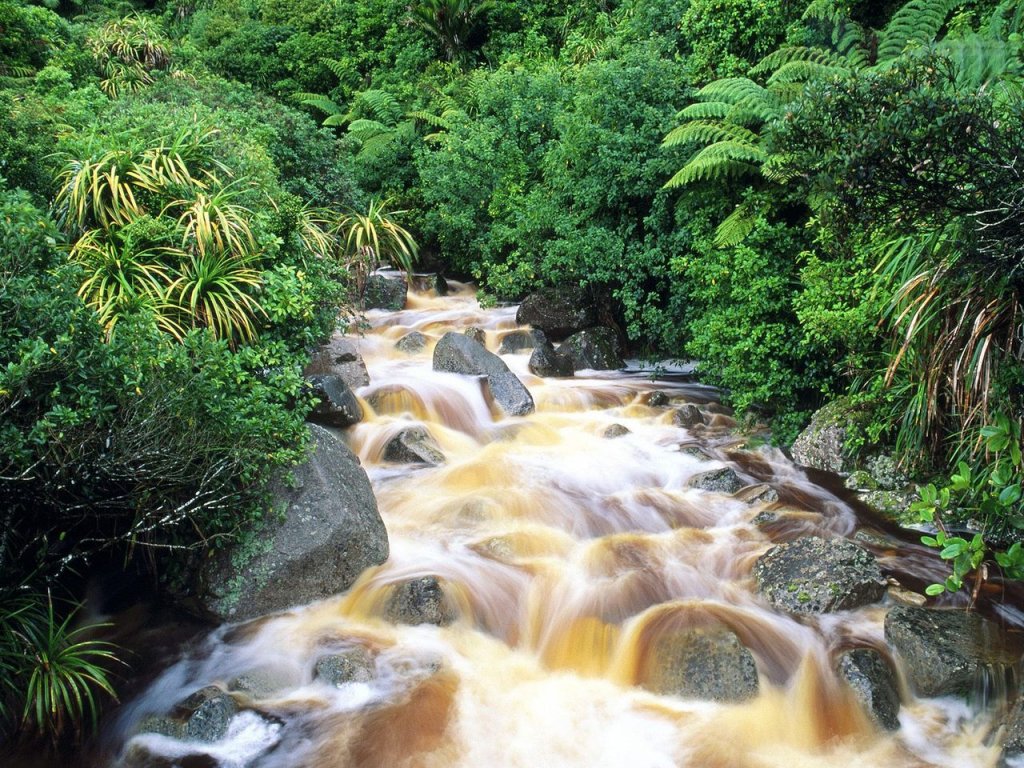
[(376, 236), (128, 51), (211, 291), (453, 23)]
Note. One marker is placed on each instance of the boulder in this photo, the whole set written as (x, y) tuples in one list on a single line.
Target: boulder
[(203, 716), (874, 683), (557, 314), (340, 357), (823, 444), (615, 430), (338, 406), (420, 601), (517, 341), (760, 493), (411, 343), (413, 445), (354, 665), (1013, 735), (381, 292), (594, 349), (479, 335), (688, 416), (657, 399), (815, 575), (457, 353), (944, 652), (330, 532), (545, 361), (708, 664), (722, 480)]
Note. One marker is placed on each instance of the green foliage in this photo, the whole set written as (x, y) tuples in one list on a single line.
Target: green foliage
[(31, 34), (128, 51), (374, 237), (456, 25)]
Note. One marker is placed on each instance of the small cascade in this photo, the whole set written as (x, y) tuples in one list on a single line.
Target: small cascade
[(540, 575)]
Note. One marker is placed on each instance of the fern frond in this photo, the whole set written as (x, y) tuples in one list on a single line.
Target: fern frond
[(339, 69), (979, 60), (722, 159), (708, 132), (734, 90), (797, 53), (704, 110), (380, 104), (804, 71), (823, 10), (779, 169), (1007, 19), (363, 130), (917, 21), (437, 121), (321, 102), (736, 226)]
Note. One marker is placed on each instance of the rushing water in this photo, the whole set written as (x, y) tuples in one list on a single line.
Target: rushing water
[(568, 555)]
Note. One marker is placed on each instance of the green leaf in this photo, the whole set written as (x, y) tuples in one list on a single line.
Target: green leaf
[(934, 589)]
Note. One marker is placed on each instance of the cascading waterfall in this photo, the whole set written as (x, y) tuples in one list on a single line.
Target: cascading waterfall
[(565, 559)]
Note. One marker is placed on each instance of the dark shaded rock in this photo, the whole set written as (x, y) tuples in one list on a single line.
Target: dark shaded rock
[(556, 314), (420, 601), (657, 399), (701, 664), (688, 416), (874, 683), (594, 349), (381, 292), (457, 353), (944, 652), (1013, 735), (411, 343), (517, 341), (723, 480), (815, 575), (615, 430), (338, 406), (340, 357), (413, 445), (331, 532), (207, 714), (546, 361), (440, 285), (479, 335), (352, 666), (823, 444)]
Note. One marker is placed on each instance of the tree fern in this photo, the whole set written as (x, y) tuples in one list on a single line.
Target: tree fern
[(708, 132), (723, 159), (916, 22), (736, 226)]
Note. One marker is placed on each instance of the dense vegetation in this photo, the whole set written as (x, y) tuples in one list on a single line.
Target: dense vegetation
[(813, 199)]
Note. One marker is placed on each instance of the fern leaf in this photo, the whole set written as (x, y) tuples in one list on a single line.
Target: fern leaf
[(381, 105), (804, 71), (437, 121), (823, 10), (736, 226), (978, 60), (797, 53), (917, 21), (320, 102), (363, 130), (779, 169), (340, 69), (722, 159), (704, 110), (708, 132)]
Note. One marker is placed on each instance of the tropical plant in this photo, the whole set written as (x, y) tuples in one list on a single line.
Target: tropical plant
[(456, 25), (128, 51), (211, 291), (375, 236)]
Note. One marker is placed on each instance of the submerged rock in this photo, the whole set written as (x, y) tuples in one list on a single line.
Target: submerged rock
[(354, 665), (546, 361), (381, 292), (339, 356), (420, 601), (761, 493), (411, 343), (457, 353), (338, 406), (724, 480), (874, 683), (330, 532), (202, 716), (413, 445), (517, 341), (688, 416), (557, 314), (263, 682), (615, 430), (701, 664), (944, 652), (594, 349), (1013, 735), (815, 575), (657, 399)]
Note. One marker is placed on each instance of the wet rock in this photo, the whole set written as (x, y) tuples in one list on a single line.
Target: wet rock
[(340, 357), (557, 314), (891, 505), (886, 474), (203, 716), (688, 416), (701, 664), (823, 444), (456, 353), (615, 430), (338, 406), (440, 285), (594, 349), (263, 682), (762, 493), (695, 452), (860, 480), (352, 666), (330, 532), (411, 343), (546, 361), (815, 575), (413, 445), (479, 335), (420, 601), (1013, 735), (723, 480), (874, 683), (381, 292), (657, 399), (517, 341), (943, 652)]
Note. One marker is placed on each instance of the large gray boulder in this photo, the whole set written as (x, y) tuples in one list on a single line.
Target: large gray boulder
[(557, 314), (517, 341), (708, 664), (413, 445), (338, 406), (546, 361), (944, 652), (823, 444), (874, 683), (339, 356), (815, 575), (381, 292), (457, 353), (411, 343), (330, 533), (594, 349)]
